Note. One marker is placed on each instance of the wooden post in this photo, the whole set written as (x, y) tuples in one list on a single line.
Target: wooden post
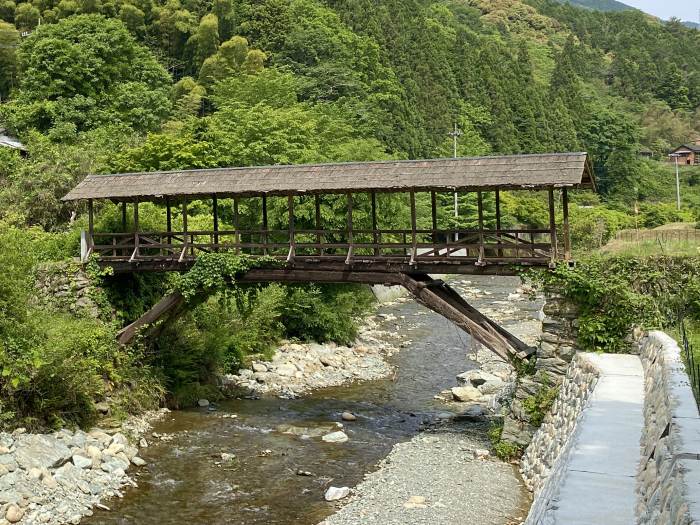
[(375, 233), (348, 259), (414, 239), (319, 235), (264, 223), (480, 210), (292, 240), (135, 254), (552, 227), (567, 238), (498, 221), (185, 241), (124, 217), (433, 214), (215, 209), (236, 226), (91, 224), (169, 221)]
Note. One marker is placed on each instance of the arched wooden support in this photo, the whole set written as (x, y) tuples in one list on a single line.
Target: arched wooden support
[(434, 294)]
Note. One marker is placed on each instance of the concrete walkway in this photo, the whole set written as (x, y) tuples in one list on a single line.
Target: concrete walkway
[(598, 485)]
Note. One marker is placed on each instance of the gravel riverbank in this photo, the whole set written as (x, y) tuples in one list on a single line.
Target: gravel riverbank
[(438, 477), (58, 478)]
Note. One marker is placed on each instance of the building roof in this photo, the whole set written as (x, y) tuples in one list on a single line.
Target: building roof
[(474, 173), (9, 142), (692, 147)]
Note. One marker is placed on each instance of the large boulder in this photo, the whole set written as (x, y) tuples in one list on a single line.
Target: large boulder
[(466, 394), (41, 451)]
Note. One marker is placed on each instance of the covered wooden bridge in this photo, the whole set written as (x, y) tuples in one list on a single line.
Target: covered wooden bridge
[(312, 252)]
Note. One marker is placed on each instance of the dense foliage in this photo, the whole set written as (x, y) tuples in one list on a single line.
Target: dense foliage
[(97, 86), (615, 294)]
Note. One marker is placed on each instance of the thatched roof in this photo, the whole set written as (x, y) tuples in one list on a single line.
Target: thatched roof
[(464, 174)]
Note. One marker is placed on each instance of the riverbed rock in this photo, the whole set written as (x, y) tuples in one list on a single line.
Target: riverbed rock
[(203, 403), (348, 416), (82, 461), (415, 502), (259, 367), (139, 462), (40, 451), (336, 493), (335, 437), (466, 394), (286, 370), (14, 513)]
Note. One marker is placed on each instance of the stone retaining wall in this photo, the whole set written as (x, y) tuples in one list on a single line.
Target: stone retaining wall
[(66, 287), (544, 461), (669, 480)]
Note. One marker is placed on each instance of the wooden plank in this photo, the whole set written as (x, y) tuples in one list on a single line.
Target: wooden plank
[(264, 222), (164, 307), (124, 217)]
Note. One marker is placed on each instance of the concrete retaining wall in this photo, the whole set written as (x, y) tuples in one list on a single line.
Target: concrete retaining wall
[(669, 478)]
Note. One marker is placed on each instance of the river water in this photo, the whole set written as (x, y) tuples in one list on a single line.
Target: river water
[(185, 480)]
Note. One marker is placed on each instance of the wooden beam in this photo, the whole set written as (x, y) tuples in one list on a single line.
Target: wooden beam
[(124, 217), (168, 215), (292, 236), (163, 307), (552, 227), (567, 233), (135, 253), (348, 259), (414, 238), (439, 297), (433, 213), (375, 233)]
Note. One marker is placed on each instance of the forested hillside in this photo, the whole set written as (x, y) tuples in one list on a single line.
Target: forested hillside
[(93, 86)]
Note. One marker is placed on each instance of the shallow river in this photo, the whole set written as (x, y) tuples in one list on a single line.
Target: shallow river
[(184, 481)]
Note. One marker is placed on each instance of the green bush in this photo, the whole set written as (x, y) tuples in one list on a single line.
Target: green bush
[(615, 294)]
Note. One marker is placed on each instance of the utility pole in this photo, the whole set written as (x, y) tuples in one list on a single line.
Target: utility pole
[(678, 182), (455, 134)]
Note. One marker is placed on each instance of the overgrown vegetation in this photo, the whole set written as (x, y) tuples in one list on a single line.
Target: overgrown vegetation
[(505, 450), (95, 87), (616, 294)]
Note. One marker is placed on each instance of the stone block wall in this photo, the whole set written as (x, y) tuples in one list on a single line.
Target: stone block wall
[(66, 287), (668, 482), (555, 351)]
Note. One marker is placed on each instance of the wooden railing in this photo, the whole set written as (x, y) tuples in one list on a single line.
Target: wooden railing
[(480, 246)]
